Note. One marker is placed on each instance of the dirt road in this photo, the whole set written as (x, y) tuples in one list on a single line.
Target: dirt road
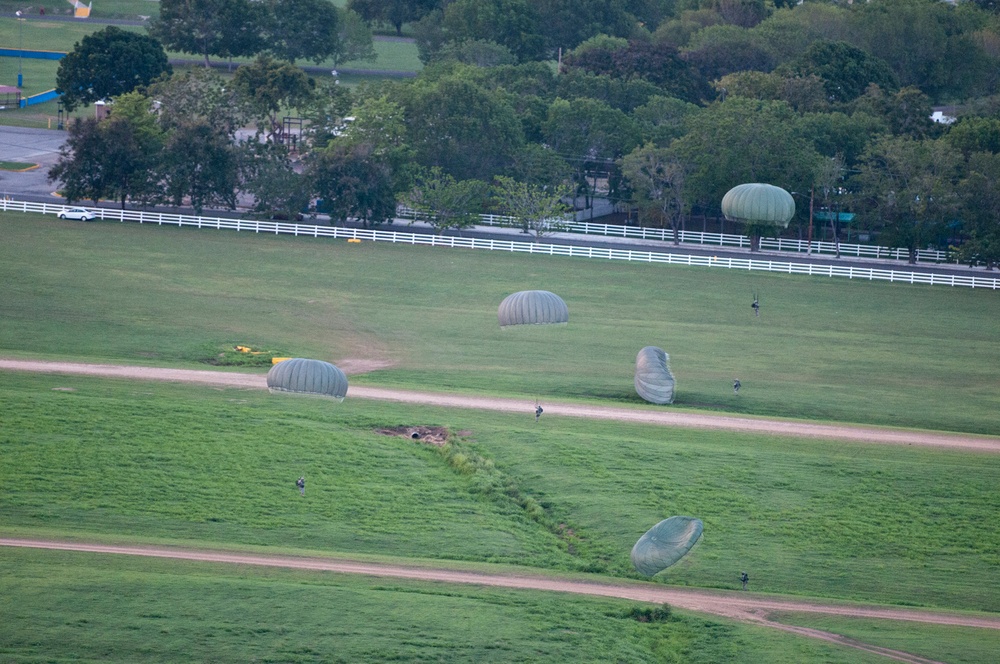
[(887, 436), (739, 606), (745, 607)]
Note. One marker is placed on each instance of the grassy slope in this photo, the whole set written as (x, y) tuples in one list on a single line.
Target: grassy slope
[(75, 607), (153, 460), (822, 348), (201, 464), (956, 645)]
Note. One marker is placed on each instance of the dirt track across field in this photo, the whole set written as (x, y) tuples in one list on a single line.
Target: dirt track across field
[(735, 605), (664, 417), (739, 606)]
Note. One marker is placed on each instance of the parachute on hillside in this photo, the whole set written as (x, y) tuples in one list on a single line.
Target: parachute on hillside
[(533, 307), (653, 380), (665, 543), (303, 376)]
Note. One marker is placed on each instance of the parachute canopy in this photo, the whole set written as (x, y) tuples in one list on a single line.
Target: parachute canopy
[(757, 202), (665, 543), (304, 376), (533, 307), (653, 380)]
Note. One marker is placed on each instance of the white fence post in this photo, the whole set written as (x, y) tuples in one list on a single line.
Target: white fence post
[(532, 247)]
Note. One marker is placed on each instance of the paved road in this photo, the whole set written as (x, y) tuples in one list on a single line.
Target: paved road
[(33, 146)]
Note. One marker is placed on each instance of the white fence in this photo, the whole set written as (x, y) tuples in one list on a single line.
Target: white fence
[(309, 230), (721, 239)]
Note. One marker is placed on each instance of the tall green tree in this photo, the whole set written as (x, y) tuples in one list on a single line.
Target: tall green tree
[(722, 49), (380, 124), (353, 183), (267, 85), (354, 39), (907, 189), (200, 94), (590, 135), (929, 45), (568, 23), (743, 140), (113, 158), (393, 12), (510, 23), (846, 70), (972, 134), (223, 28), (625, 94), (198, 164), (267, 173), (656, 62), (981, 211), (302, 29), (661, 119), (466, 130), (536, 209), (907, 112), (108, 63), (444, 202), (658, 178)]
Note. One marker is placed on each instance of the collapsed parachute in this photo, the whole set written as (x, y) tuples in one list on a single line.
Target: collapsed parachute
[(653, 380), (533, 307), (303, 376), (665, 543)]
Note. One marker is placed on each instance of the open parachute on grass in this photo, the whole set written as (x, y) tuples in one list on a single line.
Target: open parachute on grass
[(532, 307), (312, 377), (665, 543)]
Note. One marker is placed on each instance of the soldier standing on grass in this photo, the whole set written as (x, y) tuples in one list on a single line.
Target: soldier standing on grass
[(736, 386), (301, 483), (538, 412), (745, 579)]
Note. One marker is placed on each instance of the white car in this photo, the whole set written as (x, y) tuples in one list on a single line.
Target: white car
[(83, 214)]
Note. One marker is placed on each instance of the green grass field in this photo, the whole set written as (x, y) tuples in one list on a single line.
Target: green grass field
[(956, 645), (100, 9), (823, 349), (91, 608), (809, 518), (41, 35), (149, 462), (40, 75)]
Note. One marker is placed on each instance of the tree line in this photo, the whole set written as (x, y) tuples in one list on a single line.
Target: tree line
[(663, 116)]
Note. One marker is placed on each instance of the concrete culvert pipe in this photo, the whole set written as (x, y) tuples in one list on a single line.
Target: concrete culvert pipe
[(415, 435)]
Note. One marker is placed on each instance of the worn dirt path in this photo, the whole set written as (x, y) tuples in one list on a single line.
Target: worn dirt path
[(887, 436), (739, 606), (746, 607)]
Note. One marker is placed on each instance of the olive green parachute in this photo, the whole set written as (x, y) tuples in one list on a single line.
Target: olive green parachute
[(533, 307), (653, 380), (757, 202), (665, 543), (303, 376)]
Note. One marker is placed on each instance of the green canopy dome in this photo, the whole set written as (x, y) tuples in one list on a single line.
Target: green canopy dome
[(665, 543), (304, 376), (653, 380), (757, 202), (533, 307)]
